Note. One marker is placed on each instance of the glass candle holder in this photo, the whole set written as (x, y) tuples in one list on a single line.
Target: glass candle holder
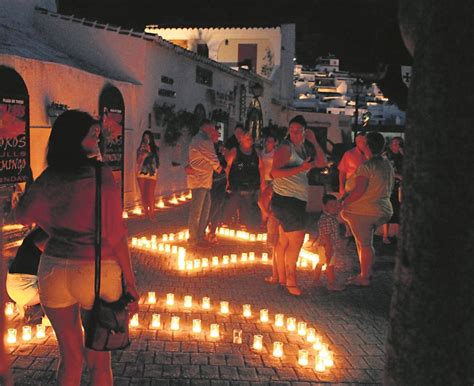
[(247, 310), (189, 265), (279, 320), (311, 335), (224, 307), (214, 331), (222, 231), (259, 237), (253, 237), (237, 336), (134, 241), (291, 324), (204, 262), (26, 336), (233, 258), (302, 328), (329, 359), (151, 297), (317, 343), (181, 236), (174, 323), (206, 303), (264, 257), (182, 252), (181, 263), (197, 326), (215, 261), (252, 256), (197, 263), (227, 232), (244, 257), (188, 301), (134, 322), (257, 342), (164, 238), (11, 335), (264, 237), (161, 247), (155, 321), (174, 249), (264, 315), (167, 248), (225, 259), (171, 237), (40, 331), (170, 299), (9, 308), (232, 232), (277, 349), (320, 366), (303, 357)]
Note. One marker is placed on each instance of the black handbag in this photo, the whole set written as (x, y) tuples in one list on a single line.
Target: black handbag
[(106, 327)]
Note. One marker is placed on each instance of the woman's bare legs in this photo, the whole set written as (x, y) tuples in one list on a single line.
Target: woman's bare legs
[(280, 251), (295, 242), (150, 186), (141, 185)]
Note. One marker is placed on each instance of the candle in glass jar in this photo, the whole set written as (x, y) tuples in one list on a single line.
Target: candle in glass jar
[(161, 247), (279, 320), (291, 324), (253, 237), (226, 232), (311, 335), (169, 299), (320, 366), (9, 308), (329, 359), (221, 231), (171, 237), (317, 343), (189, 265), (302, 328), (214, 331), (224, 307), (26, 333), (215, 261), (247, 310), (264, 237), (232, 232), (225, 259), (197, 263), (206, 303), (174, 249), (181, 236), (252, 256), (164, 237), (155, 321), (174, 323), (197, 326), (188, 301), (257, 342), (303, 357), (204, 262), (134, 241), (151, 297), (181, 263), (265, 257), (167, 248), (277, 349), (244, 257), (40, 331), (259, 237), (134, 322), (237, 336), (233, 258), (264, 315), (11, 335)]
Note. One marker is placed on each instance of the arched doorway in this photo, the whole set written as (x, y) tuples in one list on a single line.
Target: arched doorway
[(254, 120), (112, 119), (14, 128)]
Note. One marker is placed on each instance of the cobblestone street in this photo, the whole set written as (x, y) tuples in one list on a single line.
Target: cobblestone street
[(353, 323)]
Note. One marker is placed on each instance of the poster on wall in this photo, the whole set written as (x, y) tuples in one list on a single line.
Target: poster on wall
[(112, 131), (14, 141)]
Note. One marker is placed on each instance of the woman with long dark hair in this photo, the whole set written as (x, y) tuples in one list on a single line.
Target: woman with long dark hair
[(148, 162), (62, 202)]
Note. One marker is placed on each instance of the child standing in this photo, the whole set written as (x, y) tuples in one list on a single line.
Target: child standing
[(327, 243)]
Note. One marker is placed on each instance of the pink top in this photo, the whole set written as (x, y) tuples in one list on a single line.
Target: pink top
[(63, 204)]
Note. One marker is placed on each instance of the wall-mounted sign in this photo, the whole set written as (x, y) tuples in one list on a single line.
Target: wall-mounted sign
[(167, 80), (14, 140), (167, 93)]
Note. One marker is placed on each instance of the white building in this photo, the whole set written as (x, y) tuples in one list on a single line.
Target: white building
[(133, 77)]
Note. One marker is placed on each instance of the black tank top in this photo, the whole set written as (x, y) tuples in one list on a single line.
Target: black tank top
[(244, 173)]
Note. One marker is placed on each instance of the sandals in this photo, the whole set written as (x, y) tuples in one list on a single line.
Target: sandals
[(358, 281), (293, 290), (271, 280)]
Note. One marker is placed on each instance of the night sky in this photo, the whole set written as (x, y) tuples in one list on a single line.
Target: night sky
[(363, 34)]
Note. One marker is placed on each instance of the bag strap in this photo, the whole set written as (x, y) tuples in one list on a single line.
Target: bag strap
[(98, 228)]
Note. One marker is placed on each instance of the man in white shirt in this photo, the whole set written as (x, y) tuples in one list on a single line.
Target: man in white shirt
[(203, 162)]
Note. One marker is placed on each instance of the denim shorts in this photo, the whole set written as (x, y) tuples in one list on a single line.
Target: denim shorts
[(65, 281), (290, 212)]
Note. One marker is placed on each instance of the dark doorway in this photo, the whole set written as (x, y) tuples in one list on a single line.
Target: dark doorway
[(248, 56)]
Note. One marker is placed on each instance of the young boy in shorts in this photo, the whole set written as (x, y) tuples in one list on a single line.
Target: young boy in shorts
[(327, 243)]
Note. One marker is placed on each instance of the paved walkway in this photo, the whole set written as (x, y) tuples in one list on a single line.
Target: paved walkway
[(352, 322)]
